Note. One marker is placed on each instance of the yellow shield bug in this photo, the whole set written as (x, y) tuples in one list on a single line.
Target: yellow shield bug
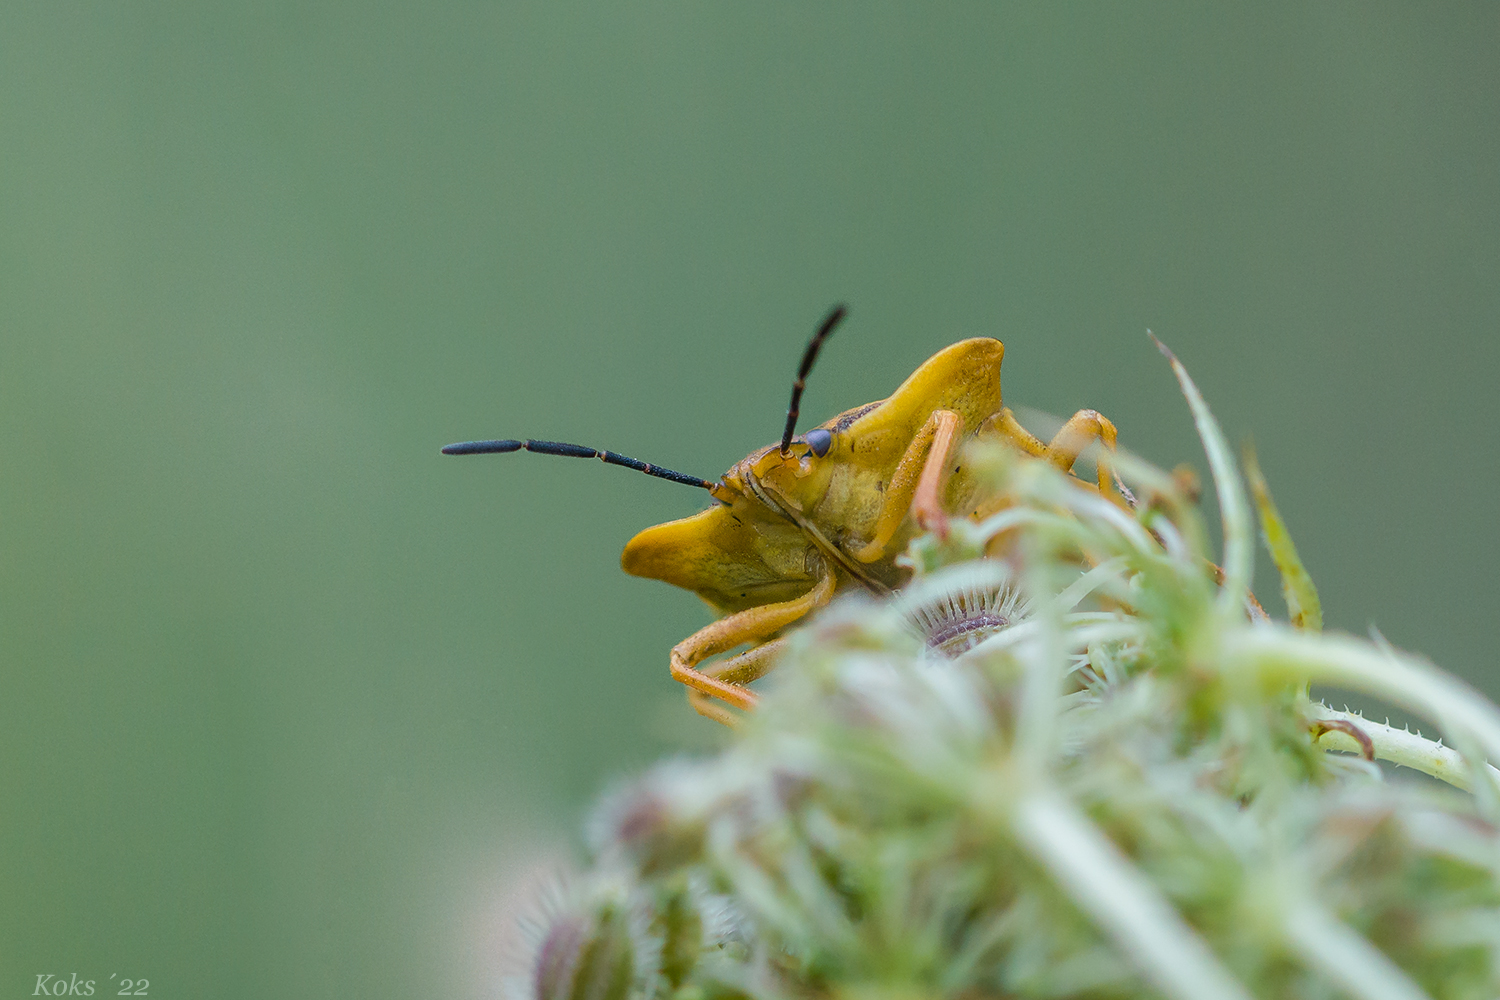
[(794, 523)]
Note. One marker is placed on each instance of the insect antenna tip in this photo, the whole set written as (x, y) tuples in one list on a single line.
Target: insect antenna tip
[(483, 447)]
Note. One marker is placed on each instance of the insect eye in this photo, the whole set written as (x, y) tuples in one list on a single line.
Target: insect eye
[(819, 440)]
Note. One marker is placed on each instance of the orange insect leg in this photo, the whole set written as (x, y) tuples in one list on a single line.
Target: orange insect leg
[(1082, 429), (751, 625), (917, 484)]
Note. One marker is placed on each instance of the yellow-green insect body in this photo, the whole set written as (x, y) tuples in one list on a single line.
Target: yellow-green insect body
[(783, 520)]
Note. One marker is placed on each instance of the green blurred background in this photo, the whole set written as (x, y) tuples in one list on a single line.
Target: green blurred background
[(290, 700)]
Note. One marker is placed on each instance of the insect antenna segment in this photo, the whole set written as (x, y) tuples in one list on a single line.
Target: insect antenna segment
[(834, 317), (573, 451)]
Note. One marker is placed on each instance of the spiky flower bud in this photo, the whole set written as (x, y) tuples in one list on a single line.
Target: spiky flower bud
[(587, 956)]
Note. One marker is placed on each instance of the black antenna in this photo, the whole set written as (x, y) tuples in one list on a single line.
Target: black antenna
[(834, 317), (573, 451)]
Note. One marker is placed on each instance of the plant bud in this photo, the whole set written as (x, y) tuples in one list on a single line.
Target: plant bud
[(586, 957)]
